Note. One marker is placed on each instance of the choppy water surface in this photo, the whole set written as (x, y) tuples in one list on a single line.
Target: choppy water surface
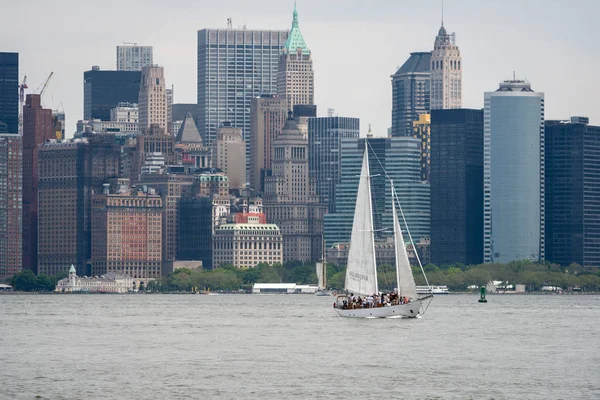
[(295, 346)]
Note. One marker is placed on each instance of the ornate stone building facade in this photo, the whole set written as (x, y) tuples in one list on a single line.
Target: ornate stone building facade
[(247, 244), (295, 79), (446, 72), (228, 153), (153, 98), (127, 231), (290, 200), (267, 116)]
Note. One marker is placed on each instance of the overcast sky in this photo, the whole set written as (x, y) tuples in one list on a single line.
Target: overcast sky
[(356, 46)]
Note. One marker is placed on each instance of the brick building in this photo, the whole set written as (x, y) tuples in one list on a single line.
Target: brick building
[(127, 231)]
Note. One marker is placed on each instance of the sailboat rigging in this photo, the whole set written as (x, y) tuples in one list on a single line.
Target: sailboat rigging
[(362, 298)]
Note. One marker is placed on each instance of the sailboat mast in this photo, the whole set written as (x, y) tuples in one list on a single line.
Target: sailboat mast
[(324, 261), (398, 241), (372, 228)]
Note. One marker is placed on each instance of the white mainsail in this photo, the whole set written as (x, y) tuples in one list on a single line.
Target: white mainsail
[(406, 281), (321, 283), (361, 269)]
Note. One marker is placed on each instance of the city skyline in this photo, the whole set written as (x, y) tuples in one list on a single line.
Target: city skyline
[(491, 50)]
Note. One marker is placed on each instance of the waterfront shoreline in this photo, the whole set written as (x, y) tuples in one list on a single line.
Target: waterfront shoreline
[(240, 293)]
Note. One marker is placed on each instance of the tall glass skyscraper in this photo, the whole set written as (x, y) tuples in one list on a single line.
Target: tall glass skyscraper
[(410, 93), (572, 192), (397, 158), (325, 135), (513, 187), (234, 66), (9, 92), (456, 186)]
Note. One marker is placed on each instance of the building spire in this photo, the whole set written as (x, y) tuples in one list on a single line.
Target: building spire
[(295, 40), (295, 15), (442, 13)]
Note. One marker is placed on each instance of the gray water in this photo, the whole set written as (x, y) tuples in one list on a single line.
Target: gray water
[(295, 347)]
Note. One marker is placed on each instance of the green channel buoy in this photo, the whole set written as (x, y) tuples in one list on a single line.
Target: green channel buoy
[(482, 298)]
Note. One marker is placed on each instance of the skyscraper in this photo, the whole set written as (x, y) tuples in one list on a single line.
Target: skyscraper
[(11, 207), (267, 116), (152, 104), (234, 66), (37, 128), (104, 90), (169, 96), (572, 192), (228, 153), (325, 135), (456, 180), (395, 157), (132, 57), (446, 72), (422, 131), (126, 231), (513, 185), (295, 79), (410, 93), (9, 93), (290, 200), (70, 172)]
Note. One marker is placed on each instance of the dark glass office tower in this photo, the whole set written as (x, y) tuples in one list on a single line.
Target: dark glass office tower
[(104, 90), (456, 186), (9, 92), (572, 160), (325, 136), (411, 93)]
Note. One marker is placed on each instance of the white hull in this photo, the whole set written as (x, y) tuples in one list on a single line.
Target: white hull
[(409, 310)]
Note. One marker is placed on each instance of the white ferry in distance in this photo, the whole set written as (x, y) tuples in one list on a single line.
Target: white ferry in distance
[(432, 289)]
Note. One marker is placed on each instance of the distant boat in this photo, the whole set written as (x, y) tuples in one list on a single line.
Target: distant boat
[(361, 269), (322, 276), (443, 289)]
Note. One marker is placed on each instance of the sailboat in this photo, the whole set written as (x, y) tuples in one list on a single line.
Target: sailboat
[(322, 276), (361, 269)]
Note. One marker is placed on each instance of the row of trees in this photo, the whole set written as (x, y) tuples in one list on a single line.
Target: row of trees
[(457, 277), (230, 278), (533, 275), (27, 281)]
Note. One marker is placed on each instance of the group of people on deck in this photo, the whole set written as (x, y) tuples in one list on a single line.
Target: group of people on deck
[(373, 301)]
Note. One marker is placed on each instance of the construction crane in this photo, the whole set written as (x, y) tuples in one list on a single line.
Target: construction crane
[(22, 88), (46, 84)]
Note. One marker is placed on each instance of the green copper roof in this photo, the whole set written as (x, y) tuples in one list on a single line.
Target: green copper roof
[(295, 39)]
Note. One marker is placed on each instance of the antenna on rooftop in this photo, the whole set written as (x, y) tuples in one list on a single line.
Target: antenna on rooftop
[(442, 12), (229, 23)]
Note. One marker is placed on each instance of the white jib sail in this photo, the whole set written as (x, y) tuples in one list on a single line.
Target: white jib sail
[(321, 275), (406, 280), (361, 270)]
